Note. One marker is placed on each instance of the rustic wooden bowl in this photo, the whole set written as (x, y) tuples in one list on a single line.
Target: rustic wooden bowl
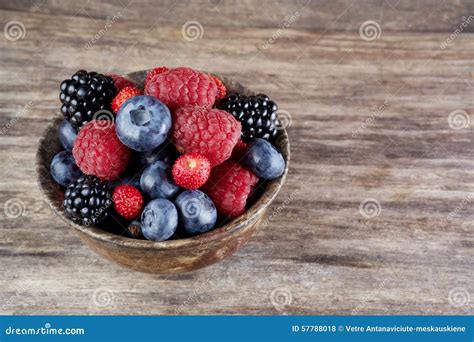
[(172, 256)]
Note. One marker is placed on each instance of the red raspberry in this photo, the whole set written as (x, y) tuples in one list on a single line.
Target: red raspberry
[(155, 71), (221, 89), (239, 151), (123, 96), (121, 82), (229, 186), (128, 201), (98, 151), (181, 87), (210, 132), (191, 170)]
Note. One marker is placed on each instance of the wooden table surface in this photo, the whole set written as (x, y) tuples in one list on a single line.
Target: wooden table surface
[(376, 216)]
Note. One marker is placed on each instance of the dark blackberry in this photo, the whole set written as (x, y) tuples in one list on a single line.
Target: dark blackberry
[(87, 200), (257, 113), (84, 94)]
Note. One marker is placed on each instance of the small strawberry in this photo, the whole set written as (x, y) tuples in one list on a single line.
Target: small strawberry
[(128, 201), (155, 71), (191, 170), (221, 89), (123, 96)]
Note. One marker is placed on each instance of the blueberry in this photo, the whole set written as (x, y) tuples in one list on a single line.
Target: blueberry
[(156, 181), (64, 169), (264, 160), (197, 212), (67, 135), (142, 123), (159, 220), (166, 152)]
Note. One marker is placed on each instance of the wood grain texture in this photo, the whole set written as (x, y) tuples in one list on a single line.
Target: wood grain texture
[(369, 120)]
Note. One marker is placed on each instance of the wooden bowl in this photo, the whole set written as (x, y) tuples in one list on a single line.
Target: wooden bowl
[(172, 256)]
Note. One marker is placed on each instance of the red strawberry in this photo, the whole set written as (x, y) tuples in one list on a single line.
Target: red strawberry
[(229, 186), (210, 132), (191, 170), (155, 71), (123, 96), (128, 201)]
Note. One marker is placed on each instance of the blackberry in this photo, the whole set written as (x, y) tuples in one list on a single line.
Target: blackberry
[(87, 200), (257, 114), (84, 94)]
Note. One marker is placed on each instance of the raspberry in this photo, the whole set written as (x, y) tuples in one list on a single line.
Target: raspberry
[(239, 151), (128, 201), (182, 86), (221, 89), (123, 96), (229, 186), (210, 132), (98, 151), (121, 82), (155, 71), (191, 170)]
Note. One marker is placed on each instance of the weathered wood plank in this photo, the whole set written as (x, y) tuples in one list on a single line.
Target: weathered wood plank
[(322, 15)]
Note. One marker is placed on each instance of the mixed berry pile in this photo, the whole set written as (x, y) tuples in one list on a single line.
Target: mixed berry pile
[(174, 157)]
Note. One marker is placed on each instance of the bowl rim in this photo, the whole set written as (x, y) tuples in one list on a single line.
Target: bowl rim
[(252, 214)]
